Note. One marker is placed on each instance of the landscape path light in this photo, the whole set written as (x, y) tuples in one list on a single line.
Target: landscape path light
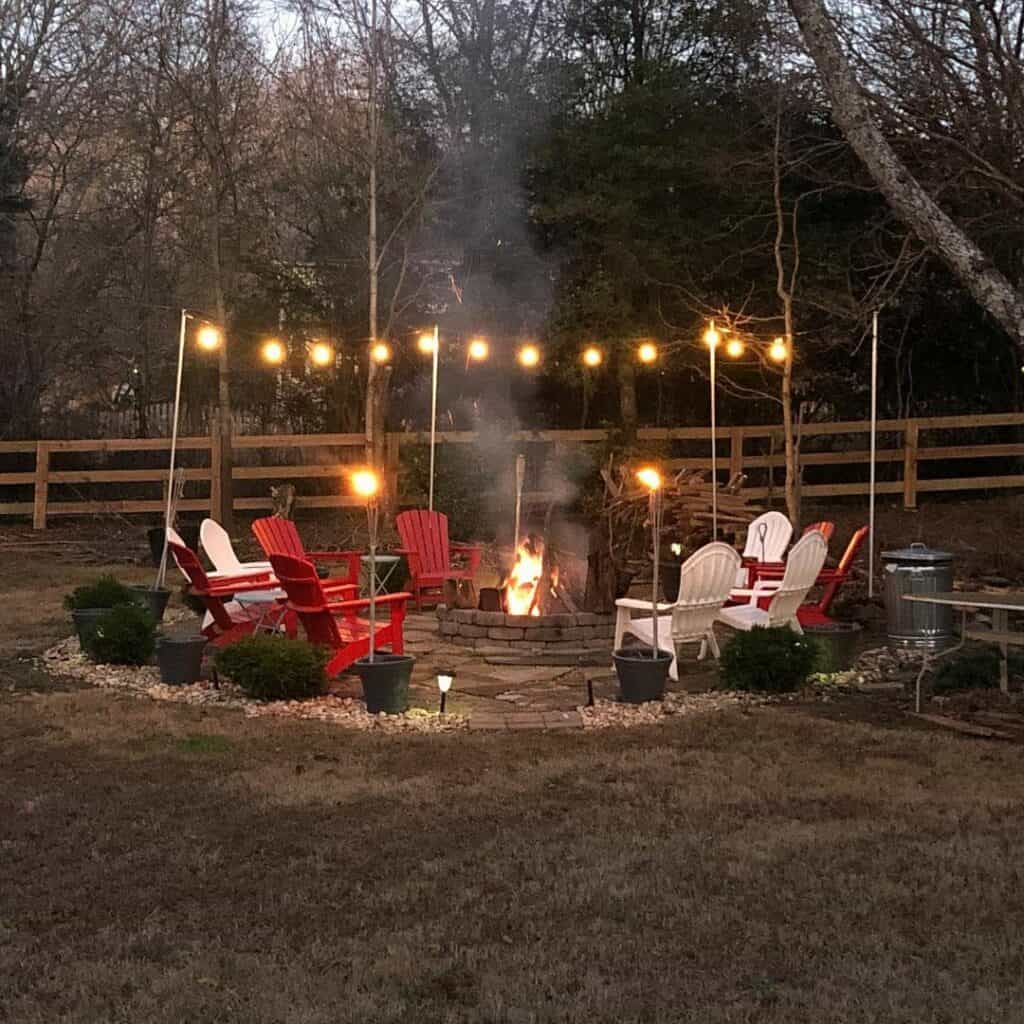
[(366, 484), (651, 479), (445, 678)]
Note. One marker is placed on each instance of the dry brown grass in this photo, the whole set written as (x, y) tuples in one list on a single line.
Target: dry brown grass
[(165, 864)]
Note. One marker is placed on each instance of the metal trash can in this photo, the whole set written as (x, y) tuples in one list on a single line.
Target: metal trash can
[(918, 569)]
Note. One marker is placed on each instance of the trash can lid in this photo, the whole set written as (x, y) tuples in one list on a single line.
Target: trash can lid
[(918, 554)]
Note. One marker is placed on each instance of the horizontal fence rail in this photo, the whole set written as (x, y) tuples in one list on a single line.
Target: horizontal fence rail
[(913, 458)]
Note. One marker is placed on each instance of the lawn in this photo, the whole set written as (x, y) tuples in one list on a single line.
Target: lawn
[(165, 863)]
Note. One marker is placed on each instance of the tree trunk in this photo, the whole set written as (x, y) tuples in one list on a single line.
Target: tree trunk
[(850, 108), (627, 393)]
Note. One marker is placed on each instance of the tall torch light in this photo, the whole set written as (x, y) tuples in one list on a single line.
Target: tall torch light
[(711, 339), (651, 479), (431, 343), (366, 484)]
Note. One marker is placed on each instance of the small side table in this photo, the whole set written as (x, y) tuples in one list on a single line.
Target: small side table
[(386, 565)]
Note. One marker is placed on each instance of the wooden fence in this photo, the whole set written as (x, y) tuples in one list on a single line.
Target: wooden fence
[(755, 450)]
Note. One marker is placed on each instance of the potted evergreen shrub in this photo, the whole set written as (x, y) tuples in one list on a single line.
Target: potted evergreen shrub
[(385, 677), (88, 604), (642, 671), (123, 635), (768, 659)]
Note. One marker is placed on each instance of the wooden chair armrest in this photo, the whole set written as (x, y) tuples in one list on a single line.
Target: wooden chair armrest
[(332, 556), (364, 602), (239, 585)]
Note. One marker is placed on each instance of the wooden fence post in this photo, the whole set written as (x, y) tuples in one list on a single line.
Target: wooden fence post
[(216, 491), (42, 486), (735, 452), (910, 432)]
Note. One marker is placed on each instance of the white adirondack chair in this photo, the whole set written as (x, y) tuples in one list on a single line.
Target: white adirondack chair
[(217, 545), (705, 580), (782, 597), (767, 538)]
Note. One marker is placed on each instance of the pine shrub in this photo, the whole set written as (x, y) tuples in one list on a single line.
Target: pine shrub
[(274, 667), (774, 660), (106, 592), (126, 635)]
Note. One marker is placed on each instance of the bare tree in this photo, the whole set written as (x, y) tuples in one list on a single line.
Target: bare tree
[(919, 210)]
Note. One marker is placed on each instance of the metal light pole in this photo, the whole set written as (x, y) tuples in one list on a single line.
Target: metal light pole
[(433, 417), (714, 450), (874, 423), (161, 575)]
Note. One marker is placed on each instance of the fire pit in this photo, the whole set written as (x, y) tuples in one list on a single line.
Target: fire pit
[(538, 619), (564, 633)]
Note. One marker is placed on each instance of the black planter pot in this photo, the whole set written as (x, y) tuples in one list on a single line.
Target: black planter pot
[(385, 682), (180, 658), (838, 644), (189, 533), (152, 599), (641, 676), (86, 620)]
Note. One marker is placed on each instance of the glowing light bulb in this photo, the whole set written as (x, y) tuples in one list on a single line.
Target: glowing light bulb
[(365, 483), (647, 352), (529, 356), (734, 348), (649, 477), (425, 344), (592, 356), (322, 354), (208, 338), (778, 352), (380, 351), (711, 336), (479, 350), (272, 352)]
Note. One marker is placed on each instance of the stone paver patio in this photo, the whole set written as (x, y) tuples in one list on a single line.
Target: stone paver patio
[(511, 697)]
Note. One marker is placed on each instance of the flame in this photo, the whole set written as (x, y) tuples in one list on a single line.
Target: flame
[(524, 578)]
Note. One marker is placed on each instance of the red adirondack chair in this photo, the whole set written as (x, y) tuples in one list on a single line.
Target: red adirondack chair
[(429, 553), (336, 624), (825, 527), (229, 620), (279, 536), (830, 579)]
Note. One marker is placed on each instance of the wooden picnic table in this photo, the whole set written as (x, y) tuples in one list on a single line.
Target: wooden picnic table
[(1000, 605)]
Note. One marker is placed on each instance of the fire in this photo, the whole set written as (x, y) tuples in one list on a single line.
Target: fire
[(523, 580)]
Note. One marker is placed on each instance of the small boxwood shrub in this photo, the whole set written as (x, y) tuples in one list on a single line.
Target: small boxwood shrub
[(126, 635), (974, 670), (106, 592), (774, 660), (274, 667)]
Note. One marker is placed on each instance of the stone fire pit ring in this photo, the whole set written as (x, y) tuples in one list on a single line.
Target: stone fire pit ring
[(494, 632)]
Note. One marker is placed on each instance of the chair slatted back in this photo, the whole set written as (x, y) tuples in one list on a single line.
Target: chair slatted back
[(425, 535), (306, 598), (278, 536), (802, 568), (852, 550), (188, 562), (705, 580), (767, 537), (217, 545), (824, 526)]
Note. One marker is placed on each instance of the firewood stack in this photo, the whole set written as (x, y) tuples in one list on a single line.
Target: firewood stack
[(619, 548)]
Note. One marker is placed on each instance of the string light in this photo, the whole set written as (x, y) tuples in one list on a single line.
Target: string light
[(778, 351), (734, 348), (380, 351), (208, 338), (479, 350), (365, 483), (592, 356), (647, 353), (425, 343), (322, 354), (273, 352), (528, 356), (649, 477), (711, 336)]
